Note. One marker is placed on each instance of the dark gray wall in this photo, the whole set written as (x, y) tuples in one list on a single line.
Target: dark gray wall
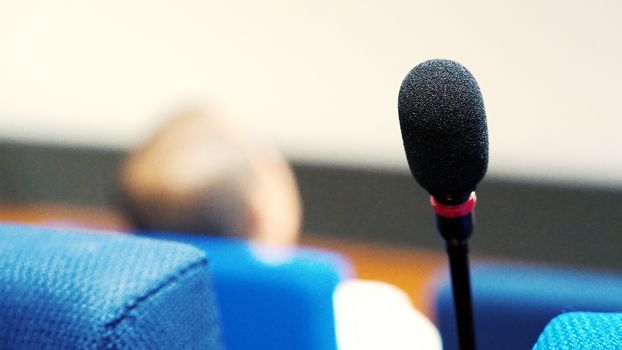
[(574, 225), (518, 220)]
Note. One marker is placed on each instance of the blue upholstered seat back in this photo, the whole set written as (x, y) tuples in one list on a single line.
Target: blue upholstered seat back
[(513, 303), (76, 290), (582, 331), (272, 299)]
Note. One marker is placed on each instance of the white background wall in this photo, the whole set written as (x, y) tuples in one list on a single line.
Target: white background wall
[(320, 77)]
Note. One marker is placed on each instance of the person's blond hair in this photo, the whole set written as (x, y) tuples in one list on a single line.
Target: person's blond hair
[(201, 174)]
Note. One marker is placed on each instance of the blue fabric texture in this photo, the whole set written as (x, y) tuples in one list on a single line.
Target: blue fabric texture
[(582, 331), (272, 299), (512, 303), (78, 290)]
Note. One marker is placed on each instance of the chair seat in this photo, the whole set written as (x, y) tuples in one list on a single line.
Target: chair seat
[(513, 302), (272, 298)]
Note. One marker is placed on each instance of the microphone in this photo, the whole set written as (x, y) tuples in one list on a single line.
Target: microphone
[(443, 125)]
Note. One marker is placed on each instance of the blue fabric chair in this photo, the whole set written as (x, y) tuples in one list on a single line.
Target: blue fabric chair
[(77, 290), (272, 299), (582, 331), (513, 303)]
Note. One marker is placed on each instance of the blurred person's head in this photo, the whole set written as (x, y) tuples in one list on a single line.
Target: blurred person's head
[(201, 174)]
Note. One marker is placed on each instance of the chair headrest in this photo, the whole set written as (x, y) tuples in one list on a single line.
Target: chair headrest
[(78, 290)]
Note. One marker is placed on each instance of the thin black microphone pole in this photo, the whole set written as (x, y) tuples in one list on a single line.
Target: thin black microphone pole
[(456, 232), (443, 125), (459, 269)]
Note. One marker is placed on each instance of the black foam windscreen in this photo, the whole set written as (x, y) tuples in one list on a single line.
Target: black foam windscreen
[(444, 130)]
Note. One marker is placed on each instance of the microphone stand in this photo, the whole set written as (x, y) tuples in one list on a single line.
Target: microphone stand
[(456, 230)]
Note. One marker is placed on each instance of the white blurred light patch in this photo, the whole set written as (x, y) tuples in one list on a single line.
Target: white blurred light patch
[(371, 315)]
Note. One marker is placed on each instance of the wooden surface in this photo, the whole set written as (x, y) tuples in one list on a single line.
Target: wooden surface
[(407, 268), (58, 214)]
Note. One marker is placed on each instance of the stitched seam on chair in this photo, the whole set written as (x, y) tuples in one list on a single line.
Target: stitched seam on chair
[(110, 326)]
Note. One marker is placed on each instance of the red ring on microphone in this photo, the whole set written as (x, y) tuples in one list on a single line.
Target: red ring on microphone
[(454, 211)]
